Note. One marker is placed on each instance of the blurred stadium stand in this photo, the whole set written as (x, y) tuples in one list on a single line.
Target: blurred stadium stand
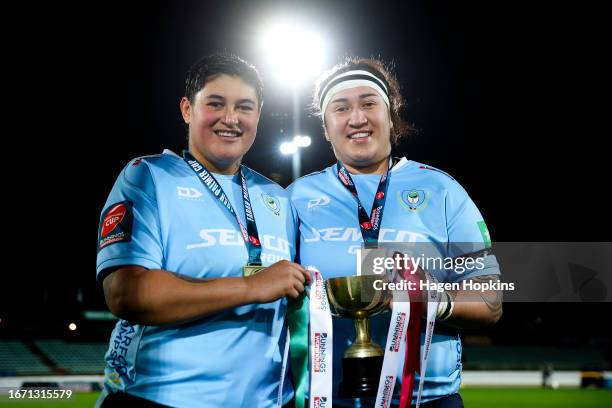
[(75, 358), (17, 359), (46, 357), (531, 358)]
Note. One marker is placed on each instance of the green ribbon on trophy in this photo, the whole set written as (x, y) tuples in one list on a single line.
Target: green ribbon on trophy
[(297, 319)]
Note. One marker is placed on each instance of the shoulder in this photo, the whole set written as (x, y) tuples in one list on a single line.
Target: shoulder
[(136, 173), (421, 169), (143, 172), (265, 184), (426, 175), (304, 182), (441, 183), (427, 168), (149, 166)]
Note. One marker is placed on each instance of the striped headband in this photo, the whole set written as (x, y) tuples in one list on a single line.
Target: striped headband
[(352, 79)]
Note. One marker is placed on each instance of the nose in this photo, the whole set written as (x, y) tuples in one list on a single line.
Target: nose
[(230, 118), (357, 118)]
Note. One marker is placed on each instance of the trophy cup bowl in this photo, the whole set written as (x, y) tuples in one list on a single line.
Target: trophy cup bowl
[(354, 297)]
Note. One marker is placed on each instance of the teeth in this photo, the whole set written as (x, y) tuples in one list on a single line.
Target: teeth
[(359, 135), (228, 134)]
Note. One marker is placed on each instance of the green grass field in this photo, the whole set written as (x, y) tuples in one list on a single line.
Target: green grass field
[(473, 398), (78, 400), (535, 397)]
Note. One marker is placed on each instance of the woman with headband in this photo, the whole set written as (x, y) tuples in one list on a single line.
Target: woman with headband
[(370, 197)]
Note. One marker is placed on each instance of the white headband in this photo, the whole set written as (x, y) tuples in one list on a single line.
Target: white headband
[(348, 80)]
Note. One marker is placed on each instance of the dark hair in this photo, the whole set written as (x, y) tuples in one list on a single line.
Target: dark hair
[(211, 66), (401, 128)]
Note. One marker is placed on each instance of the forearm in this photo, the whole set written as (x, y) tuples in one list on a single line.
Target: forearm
[(472, 308), (156, 296)]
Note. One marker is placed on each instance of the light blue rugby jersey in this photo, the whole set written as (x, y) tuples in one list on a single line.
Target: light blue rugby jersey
[(330, 235), (160, 215)]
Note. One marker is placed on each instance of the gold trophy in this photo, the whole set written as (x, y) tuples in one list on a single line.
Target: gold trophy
[(354, 297)]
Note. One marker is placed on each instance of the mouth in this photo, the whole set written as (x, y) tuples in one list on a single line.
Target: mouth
[(228, 133), (362, 135)]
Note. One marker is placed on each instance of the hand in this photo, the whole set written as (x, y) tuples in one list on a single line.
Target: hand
[(281, 279), (414, 274)]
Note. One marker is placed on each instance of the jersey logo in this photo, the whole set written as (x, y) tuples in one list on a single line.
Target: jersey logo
[(116, 224), (318, 201), (113, 380), (188, 193), (271, 203), (412, 200)]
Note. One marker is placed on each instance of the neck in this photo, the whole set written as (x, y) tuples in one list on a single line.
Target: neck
[(214, 166), (379, 167)]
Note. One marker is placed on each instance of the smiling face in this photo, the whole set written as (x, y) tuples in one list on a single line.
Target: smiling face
[(222, 122), (358, 125)]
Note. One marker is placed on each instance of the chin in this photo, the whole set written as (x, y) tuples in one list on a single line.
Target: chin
[(364, 159), (229, 158)]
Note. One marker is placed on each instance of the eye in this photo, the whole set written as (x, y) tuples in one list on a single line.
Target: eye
[(340, 109), (215, 105), (369, 104), (245, 107)]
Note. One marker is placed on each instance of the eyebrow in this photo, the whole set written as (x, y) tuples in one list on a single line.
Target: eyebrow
[(222, 98), (362, 96)]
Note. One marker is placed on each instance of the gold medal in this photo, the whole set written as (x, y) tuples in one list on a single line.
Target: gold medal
[(251, 269)]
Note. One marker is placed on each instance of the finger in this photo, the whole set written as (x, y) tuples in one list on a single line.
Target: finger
[(299, 267), (307, 276), (282, 263), (299, 275), (294, 294), (299, 286)]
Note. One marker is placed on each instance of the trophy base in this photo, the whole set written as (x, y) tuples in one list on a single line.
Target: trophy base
[(360, 377)]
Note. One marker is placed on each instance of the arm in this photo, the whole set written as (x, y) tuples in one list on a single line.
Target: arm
[(465, 224), (155, 296), (472, 309)]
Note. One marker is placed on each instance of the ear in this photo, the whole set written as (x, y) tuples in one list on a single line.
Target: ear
[(185, 107)]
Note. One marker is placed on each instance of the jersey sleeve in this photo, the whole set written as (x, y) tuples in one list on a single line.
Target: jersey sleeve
[(129, 231), (467, 233)]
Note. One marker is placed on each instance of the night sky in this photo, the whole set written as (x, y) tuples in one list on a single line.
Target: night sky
[(501, 95)]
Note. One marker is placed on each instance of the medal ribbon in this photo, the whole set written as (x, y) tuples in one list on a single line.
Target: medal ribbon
[(249, 234), (370, 226)]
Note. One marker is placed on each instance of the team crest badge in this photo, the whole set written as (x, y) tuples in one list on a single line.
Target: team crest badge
[(271, 203), (413, 200), (113, 380)]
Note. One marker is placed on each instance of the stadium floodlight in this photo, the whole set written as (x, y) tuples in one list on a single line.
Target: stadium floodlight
[(72, 327), (293, 148), (288, 148), (302, 141), (295, 53)]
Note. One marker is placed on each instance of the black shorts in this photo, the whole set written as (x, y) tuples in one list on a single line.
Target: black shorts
[(122, 400), (450, 401)]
